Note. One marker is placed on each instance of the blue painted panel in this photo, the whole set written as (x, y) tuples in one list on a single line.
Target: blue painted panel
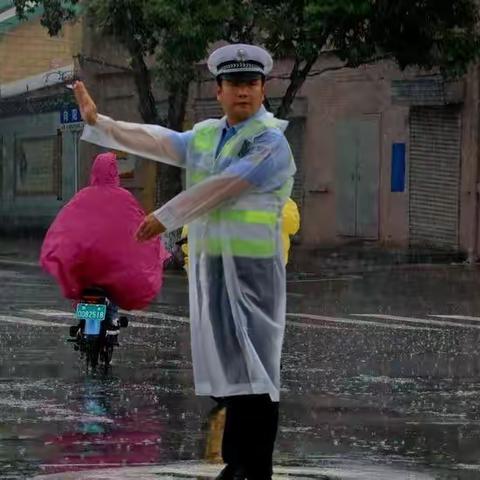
[(398, 167)]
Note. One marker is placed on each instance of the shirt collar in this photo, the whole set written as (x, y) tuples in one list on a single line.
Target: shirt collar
[(260, 112)]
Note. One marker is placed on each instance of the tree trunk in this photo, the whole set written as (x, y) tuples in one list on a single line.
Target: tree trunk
[(297, 79), (177, 104), (169, 181), (143, 81), (169, 178)]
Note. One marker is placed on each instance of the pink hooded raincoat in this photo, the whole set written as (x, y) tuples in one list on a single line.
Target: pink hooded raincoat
[(92, 242)]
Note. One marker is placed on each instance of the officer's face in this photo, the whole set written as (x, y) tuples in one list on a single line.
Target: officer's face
[(240, 99)]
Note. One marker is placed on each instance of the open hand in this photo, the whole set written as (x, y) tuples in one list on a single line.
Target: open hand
[(87, 106), (149, 228)]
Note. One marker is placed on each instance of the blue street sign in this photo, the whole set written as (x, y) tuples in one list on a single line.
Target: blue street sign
[(70, 115)]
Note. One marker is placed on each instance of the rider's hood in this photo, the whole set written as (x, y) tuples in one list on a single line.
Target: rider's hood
[(105, 171)]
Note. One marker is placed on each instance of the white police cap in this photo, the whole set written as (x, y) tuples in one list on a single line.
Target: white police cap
[(240, 58)]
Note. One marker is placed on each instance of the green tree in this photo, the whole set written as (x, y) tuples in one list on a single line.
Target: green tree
[(428, 34)]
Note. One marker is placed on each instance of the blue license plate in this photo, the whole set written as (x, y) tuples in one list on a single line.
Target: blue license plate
[(93, 314)]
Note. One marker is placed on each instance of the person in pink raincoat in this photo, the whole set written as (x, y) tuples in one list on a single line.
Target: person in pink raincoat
[(92, 243)]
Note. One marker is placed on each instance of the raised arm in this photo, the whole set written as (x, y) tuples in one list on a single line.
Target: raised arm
[(149, 141)]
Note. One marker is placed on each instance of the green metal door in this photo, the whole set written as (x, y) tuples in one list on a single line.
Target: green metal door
[(357, 177)]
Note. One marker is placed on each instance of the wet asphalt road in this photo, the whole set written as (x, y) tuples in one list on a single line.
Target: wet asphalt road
[(380, 381)]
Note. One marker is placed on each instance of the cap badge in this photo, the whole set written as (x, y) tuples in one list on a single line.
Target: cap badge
[(241, 55)]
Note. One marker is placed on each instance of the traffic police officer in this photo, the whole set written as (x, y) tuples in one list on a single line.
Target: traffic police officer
[(239, 172)]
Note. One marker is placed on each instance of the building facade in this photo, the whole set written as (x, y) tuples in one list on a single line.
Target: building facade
[(384, 157)]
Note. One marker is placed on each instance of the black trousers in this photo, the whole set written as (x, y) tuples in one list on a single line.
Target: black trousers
[(251, 425)]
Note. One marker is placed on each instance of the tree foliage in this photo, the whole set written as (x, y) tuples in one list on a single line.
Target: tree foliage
[(429, 34)]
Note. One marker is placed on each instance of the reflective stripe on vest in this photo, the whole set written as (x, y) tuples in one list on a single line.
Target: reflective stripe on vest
[(204, 139), (239, 247), (196, 176), (245, 216)]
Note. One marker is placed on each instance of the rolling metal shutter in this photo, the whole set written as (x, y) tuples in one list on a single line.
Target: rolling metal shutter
[(434, 176)]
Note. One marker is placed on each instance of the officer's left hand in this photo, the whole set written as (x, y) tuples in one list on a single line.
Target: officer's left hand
[(149, 228)]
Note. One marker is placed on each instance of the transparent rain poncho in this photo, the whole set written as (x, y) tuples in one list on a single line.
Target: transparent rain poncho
[(232, 205)]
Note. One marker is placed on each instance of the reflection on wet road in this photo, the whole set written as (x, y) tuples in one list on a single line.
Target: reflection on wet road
[(380, 381)]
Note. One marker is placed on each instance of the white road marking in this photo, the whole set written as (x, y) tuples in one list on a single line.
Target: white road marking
[(22, 263), (457, 317), (59, 314), (27, 285), (45, 312), (315, 326), (30, 321), (346, 278), (156, 315), (149, 325), (299, 324), (349, 321), (416, 320), (164, 316), (181, 319)]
